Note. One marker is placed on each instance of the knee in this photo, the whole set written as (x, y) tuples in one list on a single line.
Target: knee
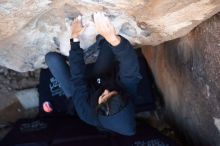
[(51, 57)]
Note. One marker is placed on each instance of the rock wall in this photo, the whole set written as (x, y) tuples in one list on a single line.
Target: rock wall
[(187, 71), (31, 28)]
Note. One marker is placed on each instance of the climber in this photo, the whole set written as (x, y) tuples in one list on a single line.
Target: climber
[(102, 92)]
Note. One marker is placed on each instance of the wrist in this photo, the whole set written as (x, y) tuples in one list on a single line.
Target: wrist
[(115, 40), (72, 40), (76, 36)]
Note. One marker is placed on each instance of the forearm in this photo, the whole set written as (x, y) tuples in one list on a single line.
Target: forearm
[(127, 58), (82, 106), (76, 61), (128, 63), (79, 85)]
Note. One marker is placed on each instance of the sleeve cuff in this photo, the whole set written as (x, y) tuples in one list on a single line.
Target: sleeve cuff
[(74, 45), (120, 46)]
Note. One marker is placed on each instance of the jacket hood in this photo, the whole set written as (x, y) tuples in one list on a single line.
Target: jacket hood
[(122, 122)]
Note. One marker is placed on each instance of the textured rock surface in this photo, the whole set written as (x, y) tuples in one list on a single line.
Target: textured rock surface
[(15, 102), (187, 71), (11, 109), (11, 80), (31, 28), (29, 98)]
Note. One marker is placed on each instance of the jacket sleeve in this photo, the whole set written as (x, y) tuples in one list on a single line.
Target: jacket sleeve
[(80, 93), (128, 65)]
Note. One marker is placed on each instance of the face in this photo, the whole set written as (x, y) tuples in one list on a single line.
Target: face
[(106, 95)]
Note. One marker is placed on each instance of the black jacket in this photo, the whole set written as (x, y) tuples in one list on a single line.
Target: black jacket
[(129, 76)]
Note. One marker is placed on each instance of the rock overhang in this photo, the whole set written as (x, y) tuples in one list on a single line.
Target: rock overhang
[(30, 28)]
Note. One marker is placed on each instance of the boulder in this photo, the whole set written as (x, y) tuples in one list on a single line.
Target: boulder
[(187, 72), (28, 98), (13, 105), (31, 28)]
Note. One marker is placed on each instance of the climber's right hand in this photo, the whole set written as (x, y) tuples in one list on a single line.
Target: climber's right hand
[(77, 27), (106, 29)]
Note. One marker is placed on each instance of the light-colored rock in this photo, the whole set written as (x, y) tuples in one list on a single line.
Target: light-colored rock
[(28, 98), (31, 28), (217, 123), (187, 72)]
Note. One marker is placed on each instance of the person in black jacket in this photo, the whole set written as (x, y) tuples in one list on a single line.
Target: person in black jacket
[(102, 93)]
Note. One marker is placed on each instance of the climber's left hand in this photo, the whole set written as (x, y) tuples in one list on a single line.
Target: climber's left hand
[(105, 28)]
